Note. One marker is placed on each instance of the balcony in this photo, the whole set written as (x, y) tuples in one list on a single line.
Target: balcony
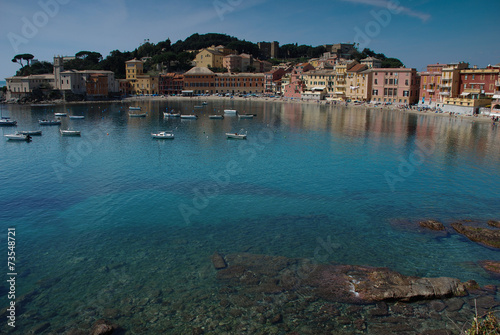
[(497, 83), (445, 85)]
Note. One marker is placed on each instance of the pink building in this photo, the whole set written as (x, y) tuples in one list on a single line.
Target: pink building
[(232, 63), (294, 85), (395, 86)]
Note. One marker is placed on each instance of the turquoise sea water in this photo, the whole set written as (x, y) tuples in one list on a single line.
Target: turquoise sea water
[(106, 221)]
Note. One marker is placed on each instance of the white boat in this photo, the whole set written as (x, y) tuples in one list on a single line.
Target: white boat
[(30, 132), (167, 114), (246, 116), (134, 108), (77, 117), (204, 103), (189, 116), (49, 122), (167, 135), (70, 132), (198, 106), (138, 115), (216, 116), (7, 122), (230, 111), (17, 137), (236, 136), (60, 114)]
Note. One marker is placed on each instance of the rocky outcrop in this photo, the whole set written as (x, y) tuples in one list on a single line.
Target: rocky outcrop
[(486, 236), (491, 266), (494, 223), (432, 225), (341, 283)]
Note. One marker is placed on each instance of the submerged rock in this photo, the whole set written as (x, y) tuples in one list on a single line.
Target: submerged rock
[(486, 236), (432, 225), (341, 283), (218, 261), (491, 266), (103, 327)]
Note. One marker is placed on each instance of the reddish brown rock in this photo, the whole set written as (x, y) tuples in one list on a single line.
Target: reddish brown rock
[(494, 223), (218, 261), (432, 225), (486, 236), (491, 266), (103, 327)]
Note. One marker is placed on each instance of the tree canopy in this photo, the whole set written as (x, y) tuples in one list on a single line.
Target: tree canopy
[(19, 59)]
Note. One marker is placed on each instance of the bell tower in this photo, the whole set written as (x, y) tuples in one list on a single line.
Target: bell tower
[(58, 68)]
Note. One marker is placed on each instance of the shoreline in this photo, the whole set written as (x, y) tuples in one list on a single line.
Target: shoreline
[(326, 103)]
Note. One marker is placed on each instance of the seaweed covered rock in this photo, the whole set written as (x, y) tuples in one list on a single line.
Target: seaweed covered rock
[(486, 236)]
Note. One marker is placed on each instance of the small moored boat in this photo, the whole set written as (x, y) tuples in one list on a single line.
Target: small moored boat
[(167, 114), (138, 115), (30, 132), (246, 116), (236, 136), (17, 137), (70, 132), (60, 114), (7, 122), (77, 117), (49, 122), (134, 108), (216, 116), (230, 111), (166, 135), (189, 116)]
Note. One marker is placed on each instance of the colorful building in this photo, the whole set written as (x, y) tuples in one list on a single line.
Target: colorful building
[(171, 83), (450, 80), (140, 83), (358, 83), (477, 87), (292, 84), (397, 86), (430, 85), (272, 81), (199, 80), (239, 83)]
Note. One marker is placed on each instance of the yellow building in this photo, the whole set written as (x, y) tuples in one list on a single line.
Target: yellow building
[(140, 83), (209, 58), (319, 79), (358, 83), (340, 83)]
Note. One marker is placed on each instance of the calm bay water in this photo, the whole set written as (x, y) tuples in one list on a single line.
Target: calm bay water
[(105, 220)]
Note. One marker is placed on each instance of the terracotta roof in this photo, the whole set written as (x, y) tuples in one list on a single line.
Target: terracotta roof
[(357, 68)]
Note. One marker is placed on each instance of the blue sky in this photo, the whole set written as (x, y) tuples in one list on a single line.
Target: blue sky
[(419, 32)]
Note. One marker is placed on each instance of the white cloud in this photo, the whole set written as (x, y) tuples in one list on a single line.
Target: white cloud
[(395, 4)]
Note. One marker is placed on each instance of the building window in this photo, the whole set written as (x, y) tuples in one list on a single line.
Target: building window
[(376, 81)]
